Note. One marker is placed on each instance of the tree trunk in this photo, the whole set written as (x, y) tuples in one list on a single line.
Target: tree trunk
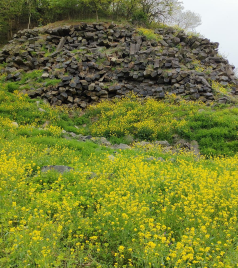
[(97, 14), (9, 32), (29, 21), (113, 10)]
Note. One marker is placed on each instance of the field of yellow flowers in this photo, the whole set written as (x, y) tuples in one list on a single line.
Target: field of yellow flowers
[(214, 127), (121, 211)]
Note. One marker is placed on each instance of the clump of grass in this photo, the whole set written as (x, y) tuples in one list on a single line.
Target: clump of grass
[(48, 51), (31, 76), (220, 89), (149, 33), (100, 61), (194, 34), (79, 50), (51, 82), (11, 87), (30, 79), (199, 67)]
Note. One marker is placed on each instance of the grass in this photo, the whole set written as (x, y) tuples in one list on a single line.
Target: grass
[(149, 33), (100, 61), (79, 51), (219, 89), (76, 21), (199, 67), (31, 79), (121, 211), (48, 51), (214, 128), (20, 108)]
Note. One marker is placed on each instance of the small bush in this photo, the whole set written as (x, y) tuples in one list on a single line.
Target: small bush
[(11, 87), (145, 133), (149, 34), (220, 89), (140, 18), (52, 82)]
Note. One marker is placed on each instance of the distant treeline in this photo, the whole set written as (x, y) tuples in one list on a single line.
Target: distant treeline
[(21, 14)]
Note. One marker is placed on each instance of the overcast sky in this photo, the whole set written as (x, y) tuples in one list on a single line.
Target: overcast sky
[(219, 24)]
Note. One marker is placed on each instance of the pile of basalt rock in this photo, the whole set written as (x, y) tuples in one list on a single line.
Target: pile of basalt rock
[(99, 61)]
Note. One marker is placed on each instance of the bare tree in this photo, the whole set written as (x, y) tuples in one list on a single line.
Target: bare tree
[(159, 10), (187, 20), (236, 72)]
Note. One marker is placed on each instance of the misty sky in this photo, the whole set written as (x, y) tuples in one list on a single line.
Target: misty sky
[(219, 24)]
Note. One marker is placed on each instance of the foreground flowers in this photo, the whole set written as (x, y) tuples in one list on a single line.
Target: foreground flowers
[(133, 212), (125, 210)]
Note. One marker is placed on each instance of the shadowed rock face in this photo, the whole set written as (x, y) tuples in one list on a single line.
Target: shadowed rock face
[(99, 61)]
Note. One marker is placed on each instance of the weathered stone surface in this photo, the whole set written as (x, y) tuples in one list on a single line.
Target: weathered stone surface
[(15, 124), (102, 141), (45, 75), (150, 158), (74, 82), (162, 143), (132, 49), (121, 146), (194, 147), (111, 157), (60, 169), (61, 44)]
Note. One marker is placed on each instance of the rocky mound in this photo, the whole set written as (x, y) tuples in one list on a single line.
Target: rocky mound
[(98, 61)]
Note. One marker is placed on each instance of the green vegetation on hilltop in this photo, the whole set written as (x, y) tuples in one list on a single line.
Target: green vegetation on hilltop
[(26, 14)]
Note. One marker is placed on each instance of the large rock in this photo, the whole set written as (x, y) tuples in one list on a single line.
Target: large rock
[(60, 169), (121, 146), (61, 44)]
